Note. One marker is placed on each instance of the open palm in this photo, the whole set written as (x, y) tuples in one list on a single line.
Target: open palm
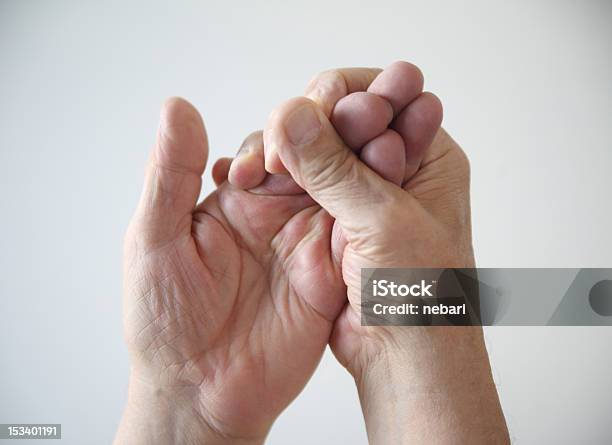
[(232, 301)]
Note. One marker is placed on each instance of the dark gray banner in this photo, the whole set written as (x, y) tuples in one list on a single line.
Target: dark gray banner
[(506, 297)]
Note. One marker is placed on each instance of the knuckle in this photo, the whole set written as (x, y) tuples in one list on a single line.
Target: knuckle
[(331, 169), (327, 88), (251, 142), (328, 78)]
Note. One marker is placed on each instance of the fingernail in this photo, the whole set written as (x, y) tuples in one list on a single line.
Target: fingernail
[(243, 150), (303, 125)]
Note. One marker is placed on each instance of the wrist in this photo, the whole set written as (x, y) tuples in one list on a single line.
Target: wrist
[(160, 415), (431, 382)]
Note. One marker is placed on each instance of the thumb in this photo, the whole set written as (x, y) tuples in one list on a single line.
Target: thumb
[(320, 162), (173, 176)]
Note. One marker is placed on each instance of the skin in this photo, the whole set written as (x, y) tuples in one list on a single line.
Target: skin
[(220, 304), (229, 304), (416, 385)]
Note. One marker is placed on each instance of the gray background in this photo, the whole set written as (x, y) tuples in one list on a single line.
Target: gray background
[(527, 92)]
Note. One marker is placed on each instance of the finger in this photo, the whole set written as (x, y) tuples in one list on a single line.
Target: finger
[(400, 83), (326, 89), (278, 185), (174, 174), (247, 170), (338, 245), (220, 170), (441, 145), (418, 124), (360, 117), (386, 155), (326, 168)]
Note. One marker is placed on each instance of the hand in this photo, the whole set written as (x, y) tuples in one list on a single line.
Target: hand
[(421, 221), (413, 382), (228, 305)]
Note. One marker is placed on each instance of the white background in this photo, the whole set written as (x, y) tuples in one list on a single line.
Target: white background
[(527, 88)]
